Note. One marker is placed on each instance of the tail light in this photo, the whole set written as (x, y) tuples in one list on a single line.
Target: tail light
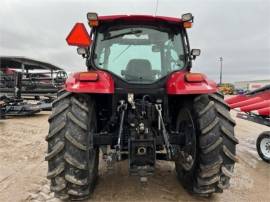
[(194, 77), (87, 76)]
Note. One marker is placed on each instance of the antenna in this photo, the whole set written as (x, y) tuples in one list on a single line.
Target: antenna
[(156, 7)]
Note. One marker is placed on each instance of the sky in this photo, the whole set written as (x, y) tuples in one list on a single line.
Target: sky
[(237, 30)]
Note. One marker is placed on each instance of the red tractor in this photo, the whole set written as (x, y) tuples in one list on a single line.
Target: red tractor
[(139, 101)]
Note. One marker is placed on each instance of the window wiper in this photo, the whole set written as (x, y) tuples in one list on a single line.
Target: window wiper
[(123, 34)]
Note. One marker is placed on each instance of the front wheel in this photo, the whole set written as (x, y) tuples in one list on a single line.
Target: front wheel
[(263, 146)]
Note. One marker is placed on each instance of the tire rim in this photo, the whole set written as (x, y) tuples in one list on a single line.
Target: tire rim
[(265, 147)]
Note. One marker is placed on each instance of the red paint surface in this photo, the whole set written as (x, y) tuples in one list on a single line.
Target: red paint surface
[(256, 106), (264, 111), (104, 84), (245, 100), (237, 98), (177, 85)]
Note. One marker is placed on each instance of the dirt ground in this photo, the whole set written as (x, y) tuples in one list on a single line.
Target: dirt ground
[(23, 169)]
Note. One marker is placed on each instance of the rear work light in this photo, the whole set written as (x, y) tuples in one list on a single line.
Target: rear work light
[(88, 76), (187, 20), (92, 19), (194, 77), (187, 17)]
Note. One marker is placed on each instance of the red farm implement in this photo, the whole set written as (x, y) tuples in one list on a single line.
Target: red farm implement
[(255, 107)]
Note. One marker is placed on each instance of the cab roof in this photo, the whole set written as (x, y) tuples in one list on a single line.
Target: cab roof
[(138, 18)]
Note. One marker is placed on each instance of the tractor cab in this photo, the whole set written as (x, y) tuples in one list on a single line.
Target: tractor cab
[(136, 49)]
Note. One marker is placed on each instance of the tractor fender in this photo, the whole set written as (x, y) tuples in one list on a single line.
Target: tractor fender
[(177, 84), (103, 85)]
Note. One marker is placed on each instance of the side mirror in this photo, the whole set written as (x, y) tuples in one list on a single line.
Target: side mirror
[(195, 53)]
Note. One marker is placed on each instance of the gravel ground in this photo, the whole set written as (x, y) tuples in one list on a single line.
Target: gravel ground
[(23, 169)]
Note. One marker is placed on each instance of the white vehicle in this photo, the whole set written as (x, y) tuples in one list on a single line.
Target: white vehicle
[(263, 146)]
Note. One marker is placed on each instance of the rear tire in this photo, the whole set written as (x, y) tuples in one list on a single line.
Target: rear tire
[(263, 146), (215, 155), (72, 159)]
